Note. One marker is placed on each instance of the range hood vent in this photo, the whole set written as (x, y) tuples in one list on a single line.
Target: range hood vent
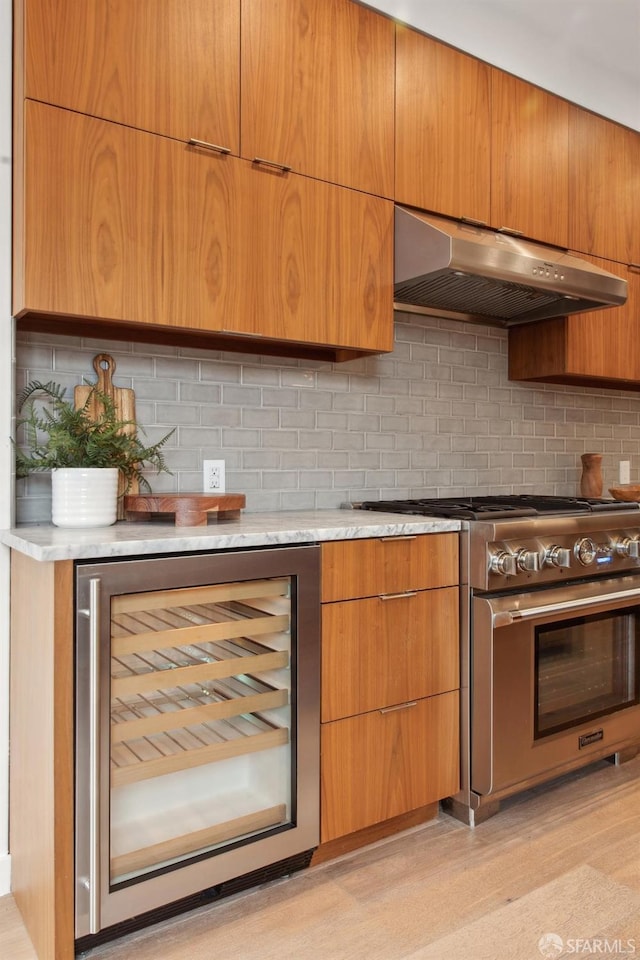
[(453, 269)]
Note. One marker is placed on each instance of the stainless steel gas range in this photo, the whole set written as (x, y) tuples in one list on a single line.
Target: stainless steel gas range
[(550, 613)]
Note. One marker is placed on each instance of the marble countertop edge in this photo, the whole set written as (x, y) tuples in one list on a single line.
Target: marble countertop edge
[(46, 542)]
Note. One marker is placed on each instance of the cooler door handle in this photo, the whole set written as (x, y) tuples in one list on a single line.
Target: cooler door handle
[(94, 755)]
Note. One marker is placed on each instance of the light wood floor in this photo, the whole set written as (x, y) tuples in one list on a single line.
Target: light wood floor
[(563, 859)]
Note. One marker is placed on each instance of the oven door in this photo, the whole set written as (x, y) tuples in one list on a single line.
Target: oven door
[(554, 681)]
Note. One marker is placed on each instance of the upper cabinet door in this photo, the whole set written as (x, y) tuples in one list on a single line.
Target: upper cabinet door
[(529, 160), (317, 90), (442, 128), (604, 187), (118, 225), (169, 67)]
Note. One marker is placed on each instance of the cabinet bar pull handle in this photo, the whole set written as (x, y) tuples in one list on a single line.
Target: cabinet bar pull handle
[(399, 538), (511, 231), (94, 755), (397, 596), (472, 221), (399, 706), (272, 163), (208, 146), (634, 266)]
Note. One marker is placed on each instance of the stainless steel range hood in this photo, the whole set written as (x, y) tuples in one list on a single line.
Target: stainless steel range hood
[(447, 268)]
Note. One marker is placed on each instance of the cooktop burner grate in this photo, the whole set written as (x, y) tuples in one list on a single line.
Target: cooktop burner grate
[(498, 507)]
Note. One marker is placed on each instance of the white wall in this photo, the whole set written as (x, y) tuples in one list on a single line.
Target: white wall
[(6, 394), (585, 50), (502, 32)]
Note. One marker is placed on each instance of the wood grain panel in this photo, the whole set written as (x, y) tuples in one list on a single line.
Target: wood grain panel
[(443, 128), (171, 68), (378, 765), (379, 652), (42, 752), (211, 593), (529, 160), (188, 843), (600, 347), (143, 726), (365, 568), (317, 90), (125, 226), (378, 831), (316, 262), (188, 759), (604, 187), (17, 167), (158, 679)]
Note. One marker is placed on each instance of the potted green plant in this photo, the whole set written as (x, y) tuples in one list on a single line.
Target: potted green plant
[(73, 443)]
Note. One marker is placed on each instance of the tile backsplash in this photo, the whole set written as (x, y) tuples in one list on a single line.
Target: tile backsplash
[(437, 417)]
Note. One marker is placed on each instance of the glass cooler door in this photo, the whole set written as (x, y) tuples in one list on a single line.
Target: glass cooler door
[(195, 730)]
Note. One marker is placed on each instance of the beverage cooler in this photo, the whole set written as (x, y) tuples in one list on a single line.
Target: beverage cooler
[(197, 729)]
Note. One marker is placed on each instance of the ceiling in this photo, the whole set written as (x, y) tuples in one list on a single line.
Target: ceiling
[(585, 50)]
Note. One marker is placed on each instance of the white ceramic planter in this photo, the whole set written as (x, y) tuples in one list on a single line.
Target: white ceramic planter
[(84, 497)]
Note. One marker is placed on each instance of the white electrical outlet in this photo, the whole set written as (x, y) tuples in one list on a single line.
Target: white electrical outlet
[(213, 476), (625, 471)]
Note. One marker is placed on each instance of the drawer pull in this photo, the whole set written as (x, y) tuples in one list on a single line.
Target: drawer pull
[(208, 146), (398, 539), (510, 231), (399, 706), (272, 163), (474, 222), (397, 596)]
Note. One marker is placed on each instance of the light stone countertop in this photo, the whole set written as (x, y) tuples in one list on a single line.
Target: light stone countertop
[(125, 539)]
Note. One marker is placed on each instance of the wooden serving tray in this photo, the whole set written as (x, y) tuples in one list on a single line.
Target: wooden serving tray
[(189, 509)]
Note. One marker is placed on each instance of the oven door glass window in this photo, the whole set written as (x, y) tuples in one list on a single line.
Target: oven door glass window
[(585, 668)]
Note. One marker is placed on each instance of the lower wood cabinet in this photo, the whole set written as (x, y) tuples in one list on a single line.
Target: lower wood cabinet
[(600, 348), (150, 237), (388, 650), (379, 765), (390, 679)]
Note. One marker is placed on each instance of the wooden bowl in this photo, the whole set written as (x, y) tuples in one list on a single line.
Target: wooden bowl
[(626, 491)]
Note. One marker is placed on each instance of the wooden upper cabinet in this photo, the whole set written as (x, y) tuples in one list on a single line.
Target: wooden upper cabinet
[(597, 348), (316, 262), (442, 128), (529, 160), (317, 90), (170, 67), (122, 225), (118, 225), (604, 187)]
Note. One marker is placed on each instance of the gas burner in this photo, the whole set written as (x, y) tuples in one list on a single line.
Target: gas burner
[(500, 506)]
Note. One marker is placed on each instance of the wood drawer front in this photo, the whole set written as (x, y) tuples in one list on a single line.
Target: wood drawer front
[(367, 568), (378, 652), (380, 765)]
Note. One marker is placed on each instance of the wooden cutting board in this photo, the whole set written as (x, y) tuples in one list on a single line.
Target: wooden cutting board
[(123, 400), (188, 509)]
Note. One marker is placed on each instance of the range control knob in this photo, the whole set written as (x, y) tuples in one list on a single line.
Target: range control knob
[(503, 563), (628, 547), (528, 561), (585, 551), (555, 556)]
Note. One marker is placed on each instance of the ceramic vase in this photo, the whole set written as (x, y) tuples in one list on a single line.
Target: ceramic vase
[(84, 496)]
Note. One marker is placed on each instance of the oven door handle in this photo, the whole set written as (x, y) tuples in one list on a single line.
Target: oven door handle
[(503, 618)]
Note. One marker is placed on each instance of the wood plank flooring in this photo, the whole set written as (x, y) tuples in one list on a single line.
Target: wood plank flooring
[(561, 861)]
